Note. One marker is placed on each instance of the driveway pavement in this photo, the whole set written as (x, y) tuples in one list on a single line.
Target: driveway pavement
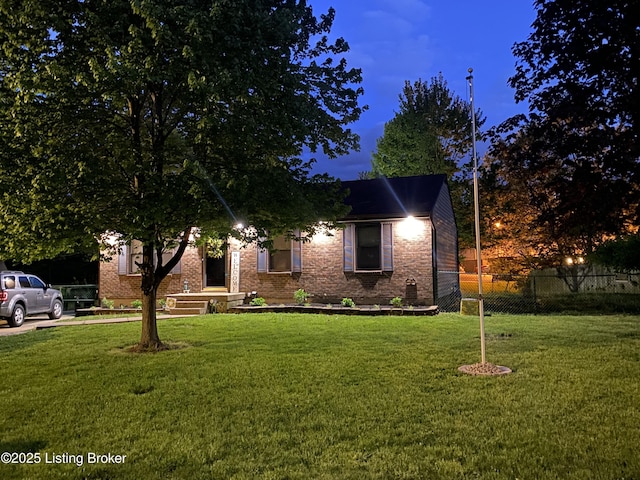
[(42, 322), (30, 323)]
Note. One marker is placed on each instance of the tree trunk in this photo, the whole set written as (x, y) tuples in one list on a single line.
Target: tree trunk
[(151, 278), (149, 338)]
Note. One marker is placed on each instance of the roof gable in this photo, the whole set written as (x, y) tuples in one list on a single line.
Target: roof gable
[(396, 197)]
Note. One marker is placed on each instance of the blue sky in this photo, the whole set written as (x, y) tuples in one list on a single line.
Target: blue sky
[(397, 40)]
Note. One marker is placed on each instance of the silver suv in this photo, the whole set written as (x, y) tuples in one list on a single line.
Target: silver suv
[(22, 294)]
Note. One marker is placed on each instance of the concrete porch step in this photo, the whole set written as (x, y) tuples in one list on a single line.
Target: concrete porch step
[(191, 304), (187, 311), (188, 303)]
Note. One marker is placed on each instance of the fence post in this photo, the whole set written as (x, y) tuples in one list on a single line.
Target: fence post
[(535, 297)]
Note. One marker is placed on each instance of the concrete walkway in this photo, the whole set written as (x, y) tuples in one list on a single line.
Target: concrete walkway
[(43, 322)]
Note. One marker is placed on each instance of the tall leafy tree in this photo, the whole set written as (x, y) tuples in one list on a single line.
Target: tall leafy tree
[(139, 120), (575, 158), (564, 193), (431, 133), (510, 236)]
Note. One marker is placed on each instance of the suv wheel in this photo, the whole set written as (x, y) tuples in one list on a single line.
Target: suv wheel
[(56, 310), (17, 317)]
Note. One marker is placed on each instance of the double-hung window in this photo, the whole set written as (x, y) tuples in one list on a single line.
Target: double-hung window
[(131, 257), (280, 256), (284, 257), (368, 247)]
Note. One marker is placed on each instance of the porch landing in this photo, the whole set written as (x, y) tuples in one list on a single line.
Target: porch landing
[(199, 303)]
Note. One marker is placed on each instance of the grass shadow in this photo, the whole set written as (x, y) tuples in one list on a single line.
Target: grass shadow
[(26, 446)]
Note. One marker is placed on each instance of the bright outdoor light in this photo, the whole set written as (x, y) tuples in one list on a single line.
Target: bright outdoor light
[(324, 233), (574, 261), (411, 228), (111, 239)]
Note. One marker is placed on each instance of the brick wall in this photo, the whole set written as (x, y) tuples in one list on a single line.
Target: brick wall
[(322, 273), (122, 289), (323, 277)]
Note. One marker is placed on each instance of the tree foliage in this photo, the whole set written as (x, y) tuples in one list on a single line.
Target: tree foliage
[(150, 118), (565, 197), (430, 134), (574, 161), (622, 254)]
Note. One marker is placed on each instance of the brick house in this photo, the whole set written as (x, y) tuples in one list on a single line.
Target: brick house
[(399, 239)]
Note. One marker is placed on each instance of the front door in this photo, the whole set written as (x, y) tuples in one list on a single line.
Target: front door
[(216, 269)]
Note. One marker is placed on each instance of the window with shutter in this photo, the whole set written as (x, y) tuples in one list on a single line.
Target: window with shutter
[(285, 257), (368, 247), (280, 256), (131, 255)]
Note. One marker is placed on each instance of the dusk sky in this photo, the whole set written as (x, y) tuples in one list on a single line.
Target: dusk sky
[(397, 40)]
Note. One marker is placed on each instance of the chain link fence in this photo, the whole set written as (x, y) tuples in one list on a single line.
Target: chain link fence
[(551, 291)]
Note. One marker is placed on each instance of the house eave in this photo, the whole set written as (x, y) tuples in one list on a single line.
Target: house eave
[(379, 218)]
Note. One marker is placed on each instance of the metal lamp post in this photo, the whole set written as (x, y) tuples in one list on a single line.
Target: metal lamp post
[(476, 201)]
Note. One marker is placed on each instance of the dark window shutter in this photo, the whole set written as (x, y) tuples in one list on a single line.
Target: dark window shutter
[(387, 247), (296, 254), (348, 244), (122, 260), (263, 260)]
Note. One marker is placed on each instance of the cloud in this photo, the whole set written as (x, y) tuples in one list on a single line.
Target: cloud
[(390, 43), (388, 24), (414, 9)]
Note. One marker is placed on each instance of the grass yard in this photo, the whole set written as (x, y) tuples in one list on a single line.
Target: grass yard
[(287, 396)]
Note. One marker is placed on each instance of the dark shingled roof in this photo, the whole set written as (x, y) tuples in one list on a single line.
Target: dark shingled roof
[(397, 197)]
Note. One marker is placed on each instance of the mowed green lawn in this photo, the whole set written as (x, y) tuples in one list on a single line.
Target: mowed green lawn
[(285, 396)]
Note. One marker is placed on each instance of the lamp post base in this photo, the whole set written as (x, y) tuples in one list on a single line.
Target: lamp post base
[(488, 369)]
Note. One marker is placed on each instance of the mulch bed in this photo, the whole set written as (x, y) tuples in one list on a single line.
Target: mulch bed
[(338, 310)]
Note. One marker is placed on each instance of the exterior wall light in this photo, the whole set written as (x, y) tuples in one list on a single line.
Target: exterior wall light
[(324, 233), (411, 228)]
